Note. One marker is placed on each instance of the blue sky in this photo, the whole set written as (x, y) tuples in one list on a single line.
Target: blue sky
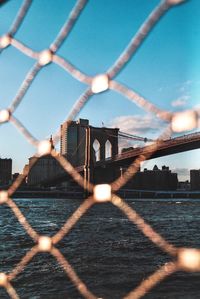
[(165, 70)]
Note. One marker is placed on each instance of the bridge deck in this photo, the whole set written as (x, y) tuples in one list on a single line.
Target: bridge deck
[(158, 149)]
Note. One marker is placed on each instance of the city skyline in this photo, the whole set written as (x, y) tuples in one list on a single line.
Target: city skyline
[(165, 70), (69, 142)]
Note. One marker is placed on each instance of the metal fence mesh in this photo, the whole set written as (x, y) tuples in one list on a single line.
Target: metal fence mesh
[(186, 259)]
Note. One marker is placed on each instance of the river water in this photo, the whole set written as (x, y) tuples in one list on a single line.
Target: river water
[(107, 251)]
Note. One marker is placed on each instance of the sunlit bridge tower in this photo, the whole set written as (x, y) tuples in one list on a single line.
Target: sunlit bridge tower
[(78, 139), (85, 145), (73, 141)]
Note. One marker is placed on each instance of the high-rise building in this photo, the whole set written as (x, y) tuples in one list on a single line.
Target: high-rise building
[(195, 179), (5, 171)]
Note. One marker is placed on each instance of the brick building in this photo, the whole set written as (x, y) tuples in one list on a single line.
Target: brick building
[(46, 168), (195, 179), (155, 179), (5, 171)]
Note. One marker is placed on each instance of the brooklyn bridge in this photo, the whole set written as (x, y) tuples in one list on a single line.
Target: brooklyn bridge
[(94, 152)]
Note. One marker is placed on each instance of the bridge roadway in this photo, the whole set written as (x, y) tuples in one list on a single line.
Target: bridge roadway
[(164, 148)]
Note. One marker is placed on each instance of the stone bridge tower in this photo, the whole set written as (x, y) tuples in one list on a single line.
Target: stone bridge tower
[(83, 144)]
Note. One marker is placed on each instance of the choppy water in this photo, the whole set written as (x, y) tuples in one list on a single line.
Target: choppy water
[(108, 253)]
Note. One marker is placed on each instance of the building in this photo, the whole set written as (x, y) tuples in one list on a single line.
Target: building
[(5, 171), (15, 176), (155, 179), (195, 179), (184, 185), (84, 144), (73, 141), (45, 169)]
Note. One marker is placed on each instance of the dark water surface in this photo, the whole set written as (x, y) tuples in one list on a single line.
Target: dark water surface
[(107, 251)]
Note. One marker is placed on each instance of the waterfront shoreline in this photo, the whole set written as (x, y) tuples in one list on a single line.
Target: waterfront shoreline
[(134, 194)]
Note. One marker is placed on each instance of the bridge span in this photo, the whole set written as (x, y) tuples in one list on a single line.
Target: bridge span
[(163, 148), (106, 170)]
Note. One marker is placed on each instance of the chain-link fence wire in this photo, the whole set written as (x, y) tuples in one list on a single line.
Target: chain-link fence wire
[(186, 259)]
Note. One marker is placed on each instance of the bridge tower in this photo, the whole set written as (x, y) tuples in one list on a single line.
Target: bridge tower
[(83, 144)]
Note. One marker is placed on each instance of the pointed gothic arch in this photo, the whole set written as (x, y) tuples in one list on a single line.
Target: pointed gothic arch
[(96, 146), (108, 149)]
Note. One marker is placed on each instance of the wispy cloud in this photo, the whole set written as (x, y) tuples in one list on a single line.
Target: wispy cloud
[(144, 126), (138, 124), (181, 101), (185, 86), (181, 87)]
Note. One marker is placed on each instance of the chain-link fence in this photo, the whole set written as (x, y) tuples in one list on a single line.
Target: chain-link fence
[(186, 259)]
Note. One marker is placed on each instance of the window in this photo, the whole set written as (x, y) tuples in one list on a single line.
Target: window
[(108, 149), (96, 147)]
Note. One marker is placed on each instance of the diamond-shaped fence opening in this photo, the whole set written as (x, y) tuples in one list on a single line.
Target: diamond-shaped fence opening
[(186, 259), (115, 255)]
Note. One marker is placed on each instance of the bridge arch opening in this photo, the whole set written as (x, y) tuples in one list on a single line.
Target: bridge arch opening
[(96, 146), (108, 150)]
